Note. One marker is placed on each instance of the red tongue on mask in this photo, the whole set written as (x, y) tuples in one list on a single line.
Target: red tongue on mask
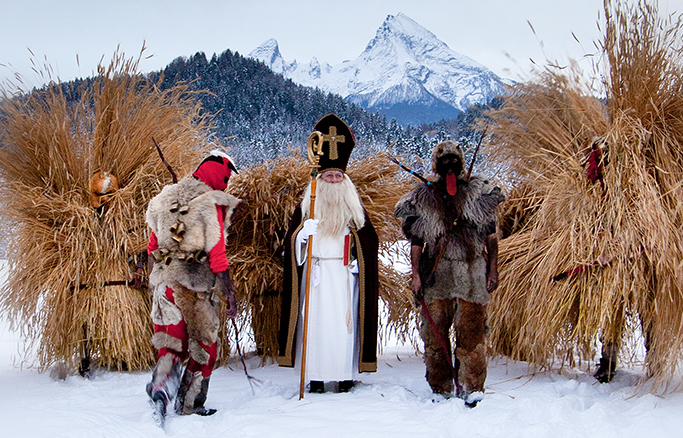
[(451, 183)]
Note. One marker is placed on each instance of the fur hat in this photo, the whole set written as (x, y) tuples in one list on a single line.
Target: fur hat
[(337, 143), (215, 170), (448, 148)]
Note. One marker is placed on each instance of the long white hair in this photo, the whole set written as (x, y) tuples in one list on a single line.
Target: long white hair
[(337, 205)]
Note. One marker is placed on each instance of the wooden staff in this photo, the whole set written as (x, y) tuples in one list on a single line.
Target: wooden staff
[(168, 166), (315, 145), (474, 157)]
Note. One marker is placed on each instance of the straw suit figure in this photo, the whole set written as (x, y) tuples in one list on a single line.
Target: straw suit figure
[(342, 315), (188, 223), (451, 224)]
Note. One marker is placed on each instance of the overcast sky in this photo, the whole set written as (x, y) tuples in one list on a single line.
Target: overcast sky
[(494, 33)]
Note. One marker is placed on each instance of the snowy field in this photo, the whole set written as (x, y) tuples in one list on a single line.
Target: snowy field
[(394, 402)]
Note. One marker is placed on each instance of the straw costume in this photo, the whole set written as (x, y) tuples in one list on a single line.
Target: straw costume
[(343, 316), (78, 168), (593, 247), (189, 222), (451, 225)]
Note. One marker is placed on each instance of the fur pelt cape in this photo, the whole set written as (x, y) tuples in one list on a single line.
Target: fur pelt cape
[(202, 231), (365, 239), (461, 272)]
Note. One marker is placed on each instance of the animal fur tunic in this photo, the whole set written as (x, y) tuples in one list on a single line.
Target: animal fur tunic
[(194, 204), (462, 225)]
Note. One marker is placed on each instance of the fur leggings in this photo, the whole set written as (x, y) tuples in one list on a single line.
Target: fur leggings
[(194, 337), (470, 353)]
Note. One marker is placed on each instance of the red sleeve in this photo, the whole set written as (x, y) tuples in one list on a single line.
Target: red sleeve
[(153, 244), (217, 258)]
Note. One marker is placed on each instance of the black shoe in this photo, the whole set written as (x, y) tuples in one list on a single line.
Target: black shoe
[(345, 385), (606, 371), (472, 404), (204, 412), (317, 387)]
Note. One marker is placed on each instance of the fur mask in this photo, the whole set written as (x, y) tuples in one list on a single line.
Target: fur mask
[(448, 148)]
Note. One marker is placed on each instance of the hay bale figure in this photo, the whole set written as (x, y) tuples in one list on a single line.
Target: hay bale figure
[(593, 245), (78, 169)]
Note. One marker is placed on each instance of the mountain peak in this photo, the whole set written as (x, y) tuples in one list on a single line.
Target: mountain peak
[(269, 53), (405, 66), (403, 31), (402, 24)]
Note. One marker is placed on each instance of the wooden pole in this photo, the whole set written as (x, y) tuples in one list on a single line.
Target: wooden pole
[(314, 151), (474, 157), (304, 342)]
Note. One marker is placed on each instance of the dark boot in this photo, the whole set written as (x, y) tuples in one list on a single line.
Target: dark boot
[(192, 394), (608, 362), (345, 385), (159, 403), (606, 370), (317, 387)]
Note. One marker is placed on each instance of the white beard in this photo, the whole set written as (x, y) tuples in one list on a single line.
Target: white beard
[(337, 205)]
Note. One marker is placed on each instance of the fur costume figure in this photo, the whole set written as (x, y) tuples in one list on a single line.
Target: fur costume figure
[(451, 224), (189, 222)]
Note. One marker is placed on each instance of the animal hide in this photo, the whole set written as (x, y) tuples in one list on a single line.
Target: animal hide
[(191, 203), (463, 221)]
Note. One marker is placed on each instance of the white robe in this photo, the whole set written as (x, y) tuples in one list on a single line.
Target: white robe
[(332, 345)]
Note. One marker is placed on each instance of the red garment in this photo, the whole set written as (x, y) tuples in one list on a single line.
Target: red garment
[(217, 258), (214, 171), (594, 165)]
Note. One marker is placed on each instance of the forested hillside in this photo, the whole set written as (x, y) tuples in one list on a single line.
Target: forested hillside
[(259, 114)]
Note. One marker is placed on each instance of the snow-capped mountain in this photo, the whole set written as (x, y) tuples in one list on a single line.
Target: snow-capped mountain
[(405, 72)]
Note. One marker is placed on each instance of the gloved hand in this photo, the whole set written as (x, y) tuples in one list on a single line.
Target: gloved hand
[(310, 228), (231, 311), (229, 293), (137, 278), (353, 267), (418, 292)]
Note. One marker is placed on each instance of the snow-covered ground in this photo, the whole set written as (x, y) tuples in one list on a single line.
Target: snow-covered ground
[(394, 402)]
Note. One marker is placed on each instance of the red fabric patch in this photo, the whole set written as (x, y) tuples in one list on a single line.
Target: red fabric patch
[(214, 174), (206, 369), (594, 171), (178, 331), (217, 258), (451, 183), (347, 249), (153, 244)]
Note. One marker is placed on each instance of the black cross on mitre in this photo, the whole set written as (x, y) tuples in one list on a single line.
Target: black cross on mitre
[(338, 142)]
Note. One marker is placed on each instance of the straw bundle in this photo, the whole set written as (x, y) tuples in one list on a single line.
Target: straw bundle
[(62, 250), (270, 193), (620, 247)]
